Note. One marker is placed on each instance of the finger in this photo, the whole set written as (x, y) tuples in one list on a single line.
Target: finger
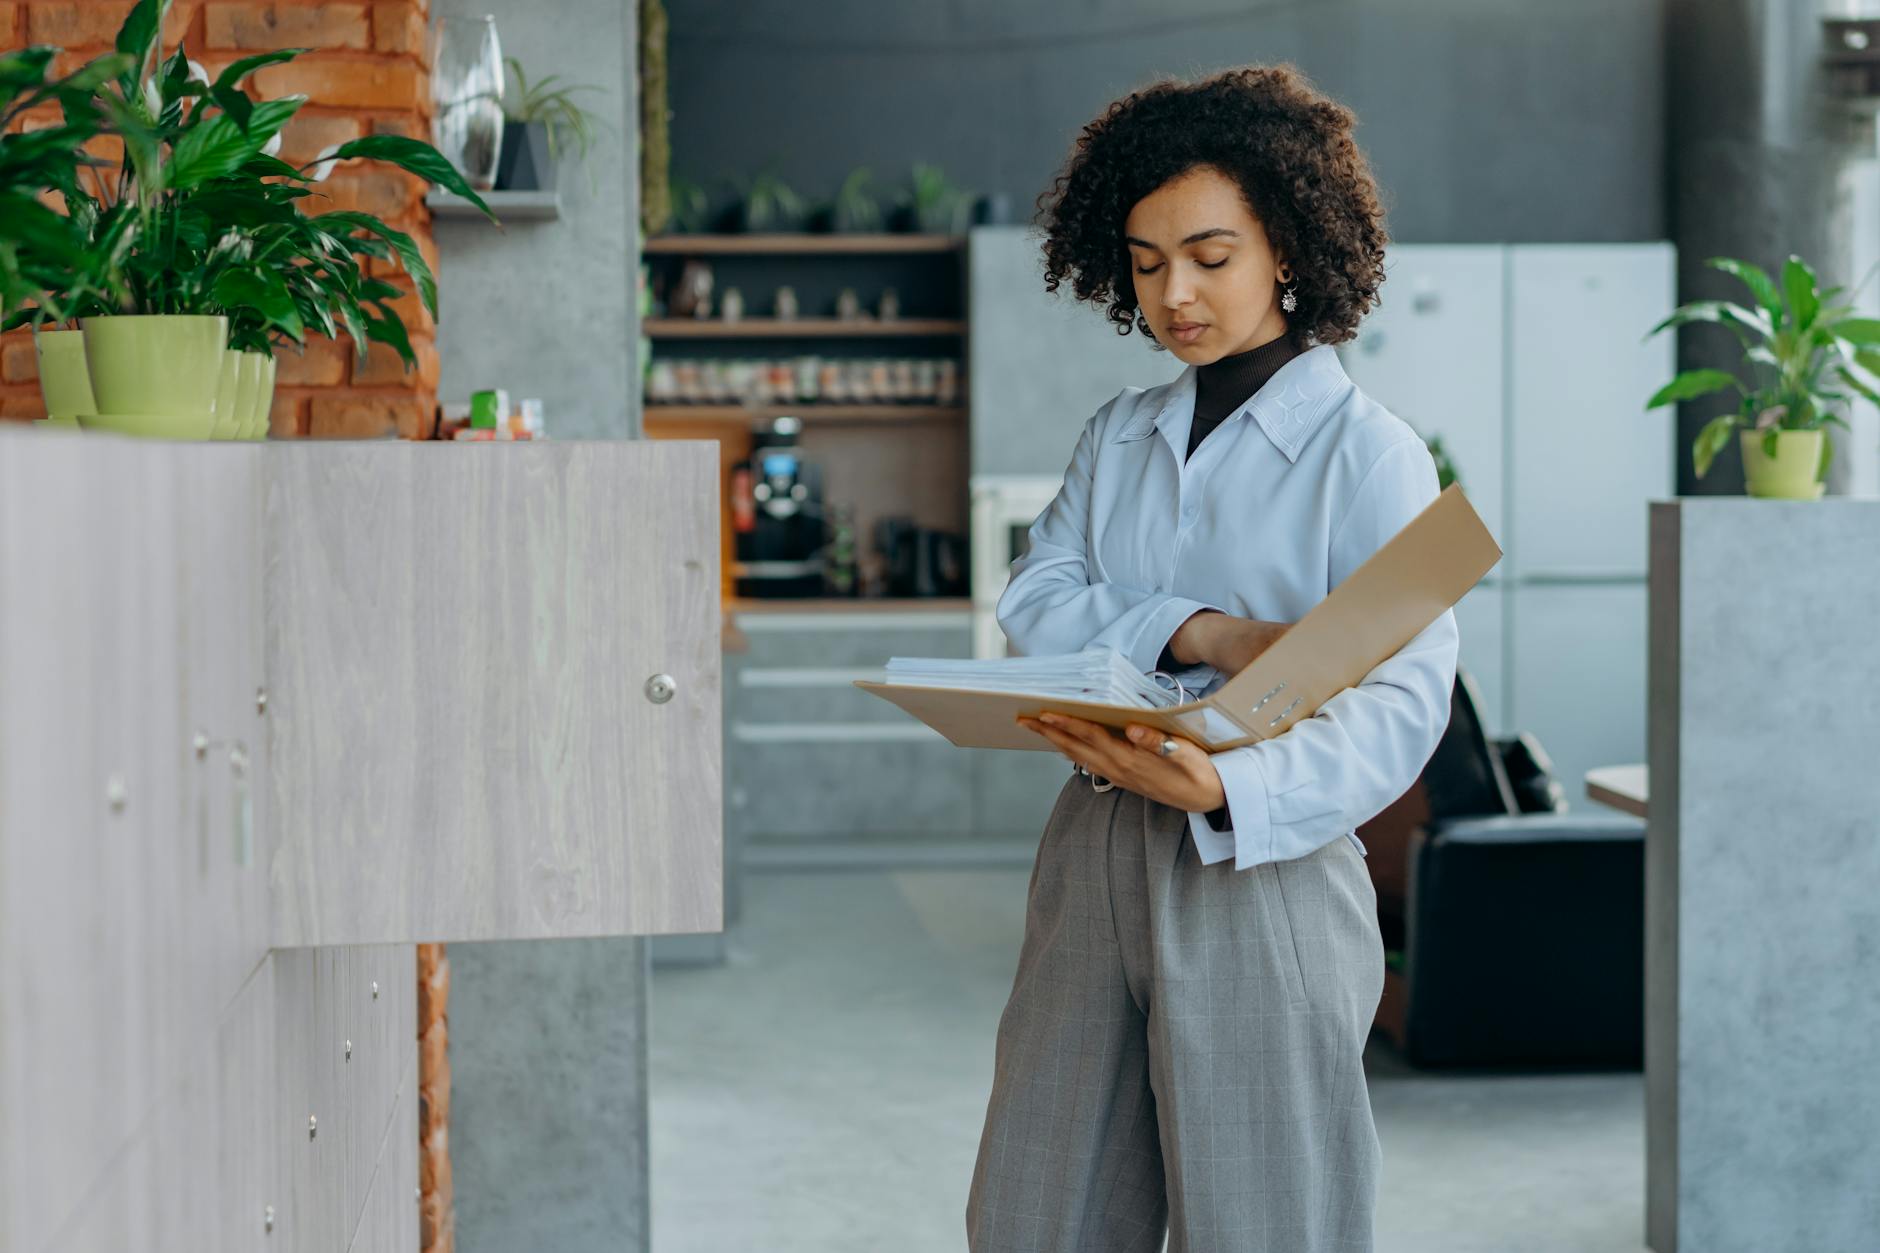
[(1089, 732)]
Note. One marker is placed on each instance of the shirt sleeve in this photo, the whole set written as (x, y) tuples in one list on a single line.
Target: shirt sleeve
[(1050, 605), (1336, 770)]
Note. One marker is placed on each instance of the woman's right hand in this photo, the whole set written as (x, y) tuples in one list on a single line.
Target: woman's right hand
[(1223, 641)]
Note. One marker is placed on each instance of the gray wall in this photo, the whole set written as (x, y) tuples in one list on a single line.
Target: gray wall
[(548, 1095), (547, 308), (1486, 120)]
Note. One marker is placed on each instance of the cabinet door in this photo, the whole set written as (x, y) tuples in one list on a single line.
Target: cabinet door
[(1431, 353), (1579, 676), (1482, 651), (1586, 454), (458, 646), (96, 1001)]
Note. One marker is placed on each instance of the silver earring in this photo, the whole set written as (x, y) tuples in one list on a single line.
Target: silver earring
[(1289, 302)]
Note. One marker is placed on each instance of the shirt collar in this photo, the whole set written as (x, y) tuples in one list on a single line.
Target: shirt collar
[(1290, 408)]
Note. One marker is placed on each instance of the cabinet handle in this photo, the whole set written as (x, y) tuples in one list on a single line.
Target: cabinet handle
[(661, 688)]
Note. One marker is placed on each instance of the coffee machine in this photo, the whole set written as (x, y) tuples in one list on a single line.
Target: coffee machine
[(777, 516)]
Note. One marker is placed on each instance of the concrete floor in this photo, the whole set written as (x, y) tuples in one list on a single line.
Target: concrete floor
[(824, 1090)]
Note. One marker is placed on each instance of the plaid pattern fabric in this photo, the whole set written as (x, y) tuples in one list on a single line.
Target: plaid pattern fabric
[(1182, 1050)]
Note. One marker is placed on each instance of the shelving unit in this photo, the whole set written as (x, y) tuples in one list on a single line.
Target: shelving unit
[(886, 458), (799, 245), (798, 328)]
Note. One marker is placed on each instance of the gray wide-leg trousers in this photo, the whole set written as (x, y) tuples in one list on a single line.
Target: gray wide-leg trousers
[(1182, 1051)]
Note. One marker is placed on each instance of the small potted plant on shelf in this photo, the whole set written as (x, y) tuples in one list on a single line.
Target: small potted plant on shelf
[(765, 203), (1804, 356), (543, 123), (197, 251), (933, 205), (852, 210)]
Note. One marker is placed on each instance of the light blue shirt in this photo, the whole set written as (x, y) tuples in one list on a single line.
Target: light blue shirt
[(1278, 505)]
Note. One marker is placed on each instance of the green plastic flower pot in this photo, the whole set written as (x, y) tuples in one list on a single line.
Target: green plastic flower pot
[(164, 367), (261, 401), (63, 379), (228, 397), (1794, 473), (247, 384)]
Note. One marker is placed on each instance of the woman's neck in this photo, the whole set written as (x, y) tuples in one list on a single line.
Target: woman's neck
[(1223, 386)]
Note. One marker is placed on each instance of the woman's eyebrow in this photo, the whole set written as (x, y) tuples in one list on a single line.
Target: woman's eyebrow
[(1195, 238)]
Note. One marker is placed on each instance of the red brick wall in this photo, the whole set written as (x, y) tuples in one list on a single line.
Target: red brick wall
[(366, 74)]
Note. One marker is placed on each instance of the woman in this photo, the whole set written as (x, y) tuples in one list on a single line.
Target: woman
[(1182, 1050)]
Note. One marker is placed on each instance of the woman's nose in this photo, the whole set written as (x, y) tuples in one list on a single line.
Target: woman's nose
[(1178, 292)]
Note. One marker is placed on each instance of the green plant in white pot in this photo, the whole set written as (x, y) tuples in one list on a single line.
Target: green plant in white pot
[(1805, 355)]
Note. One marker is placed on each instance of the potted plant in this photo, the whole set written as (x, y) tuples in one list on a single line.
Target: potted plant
[(542, 122), (1804, 355), (41, 249), (933, 205), (202, 248)]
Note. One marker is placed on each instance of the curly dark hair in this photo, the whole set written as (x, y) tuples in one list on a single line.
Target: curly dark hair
[(1289, 149)]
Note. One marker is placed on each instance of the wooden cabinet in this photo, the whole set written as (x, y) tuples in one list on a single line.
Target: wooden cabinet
[(199, 888)]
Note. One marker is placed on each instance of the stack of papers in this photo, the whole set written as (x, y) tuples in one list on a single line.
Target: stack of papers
[(1102, 675)]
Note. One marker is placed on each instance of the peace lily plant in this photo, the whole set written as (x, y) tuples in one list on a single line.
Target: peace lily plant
[(1804, 357), (194, 258)]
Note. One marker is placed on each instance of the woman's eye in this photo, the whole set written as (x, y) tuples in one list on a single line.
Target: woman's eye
[(1212, 265), (1151, 270)]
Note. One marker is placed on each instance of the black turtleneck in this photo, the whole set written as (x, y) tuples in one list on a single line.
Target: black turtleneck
[(1223, 386)]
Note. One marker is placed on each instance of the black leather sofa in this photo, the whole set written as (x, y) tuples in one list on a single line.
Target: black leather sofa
[(1516, 929)]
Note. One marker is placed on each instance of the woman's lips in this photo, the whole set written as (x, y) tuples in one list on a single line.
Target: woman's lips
[(1187, 332)]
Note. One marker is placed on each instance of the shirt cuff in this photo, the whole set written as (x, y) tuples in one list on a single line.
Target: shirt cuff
[(1146, 650), (1249, 840)]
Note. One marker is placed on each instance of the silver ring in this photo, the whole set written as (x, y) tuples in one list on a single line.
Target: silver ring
[(1168, 746)]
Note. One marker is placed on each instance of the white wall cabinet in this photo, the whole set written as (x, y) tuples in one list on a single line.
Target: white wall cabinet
[(200, 890), (1530, 362)]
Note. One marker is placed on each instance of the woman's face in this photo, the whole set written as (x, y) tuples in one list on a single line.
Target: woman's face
[(1206, 277)]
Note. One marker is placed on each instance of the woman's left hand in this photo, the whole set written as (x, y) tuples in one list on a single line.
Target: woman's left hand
[(1185, 779)]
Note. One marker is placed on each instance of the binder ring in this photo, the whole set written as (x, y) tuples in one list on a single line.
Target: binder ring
[(1282, 713)]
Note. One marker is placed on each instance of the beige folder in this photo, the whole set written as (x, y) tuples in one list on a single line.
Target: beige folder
[(1406, 585)]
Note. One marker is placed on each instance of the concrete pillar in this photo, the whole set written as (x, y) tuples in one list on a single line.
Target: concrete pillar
[(1758, 158)]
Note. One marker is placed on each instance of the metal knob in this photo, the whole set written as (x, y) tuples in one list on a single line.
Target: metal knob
[(661, 688)]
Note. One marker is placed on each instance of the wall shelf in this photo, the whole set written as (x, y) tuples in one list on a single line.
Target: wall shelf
[(805, 245), (807, 412), (508, 206), (800, 328)]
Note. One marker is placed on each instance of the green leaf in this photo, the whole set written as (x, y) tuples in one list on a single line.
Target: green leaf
[(1710, 441), (219, 146), (261, 289), (1692, 384), (417, 157), (386, 328), (407, 250), (1855, 382), (1721, 311), (1798, 284), (234, 102), (23, 70), (1761, 286), (231, 77), (138, 33), (1858, 330)]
